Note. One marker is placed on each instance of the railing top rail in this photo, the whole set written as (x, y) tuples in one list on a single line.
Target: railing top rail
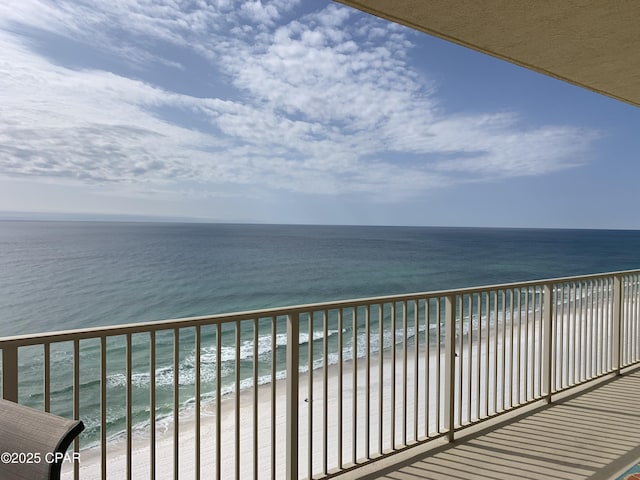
[(145, 327)]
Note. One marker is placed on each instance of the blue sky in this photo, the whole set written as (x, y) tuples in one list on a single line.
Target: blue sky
[(294, 112)]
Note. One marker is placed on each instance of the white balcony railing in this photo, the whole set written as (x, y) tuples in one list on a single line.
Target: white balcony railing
[(320, 389)]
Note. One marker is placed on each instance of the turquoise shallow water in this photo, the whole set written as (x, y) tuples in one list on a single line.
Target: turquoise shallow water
[(62, 275)]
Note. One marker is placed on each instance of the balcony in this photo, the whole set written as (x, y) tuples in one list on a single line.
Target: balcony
[(589, 434), (529, 379)]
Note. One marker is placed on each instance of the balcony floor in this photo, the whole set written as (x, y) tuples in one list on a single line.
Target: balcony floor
[(594, 434)]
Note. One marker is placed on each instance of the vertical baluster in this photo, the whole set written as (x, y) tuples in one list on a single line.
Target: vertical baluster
[(627, 320), (470, 356), (630, 319), (582, 331), (599, 347), (564, 335), (607, 332), (103, 407), (556, 358), (47, 377), (547, 343), (512, 358), (404, 372), (274, 347), (527, 348), (486, 358), (218, 401), (152, 404), (632, 323), (354, 425), (367, 436), (599, 325), (128, 404), (176, 402), (293, 365), (237, 399), (310, 398), (535, 345), (393, 376), (380, 378), (626, 338), (198, 387), (611, 327), (637, 316), (461, 357), (255, 398), (554, 330), (577, 332), (494, 311), (325, 392), (479, 356), (574, 329), (629, 339), (633, 317), (427, 365), (586, 330), (525, 344), (636, 299), (438, 353), (381, 347), (628, 323), (612, 317), (76, 402), (340, 386), (503, 400), (540, 322), (450, 367), (519, 349), (416, 367), (592, 324), (555, 337), (569, 334)]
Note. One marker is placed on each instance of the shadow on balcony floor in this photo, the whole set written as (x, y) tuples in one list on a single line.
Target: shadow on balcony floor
[(592, 435)]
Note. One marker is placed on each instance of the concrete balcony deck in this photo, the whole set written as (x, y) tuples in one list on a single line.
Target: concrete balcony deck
[(591, 434)]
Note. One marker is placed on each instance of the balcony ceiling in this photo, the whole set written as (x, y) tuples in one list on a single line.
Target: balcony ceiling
[(591, 43)]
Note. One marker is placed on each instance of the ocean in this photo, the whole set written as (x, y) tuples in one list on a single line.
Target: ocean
[(67, 275)]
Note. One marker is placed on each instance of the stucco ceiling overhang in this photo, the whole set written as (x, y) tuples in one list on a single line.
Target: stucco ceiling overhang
[(591, 43)]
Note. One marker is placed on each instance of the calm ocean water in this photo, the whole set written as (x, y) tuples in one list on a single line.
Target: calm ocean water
[(64, 275)]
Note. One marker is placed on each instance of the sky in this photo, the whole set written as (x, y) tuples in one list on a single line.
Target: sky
[(291, 111)]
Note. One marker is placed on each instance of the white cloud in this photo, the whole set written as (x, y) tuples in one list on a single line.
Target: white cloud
[(325, 103)]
